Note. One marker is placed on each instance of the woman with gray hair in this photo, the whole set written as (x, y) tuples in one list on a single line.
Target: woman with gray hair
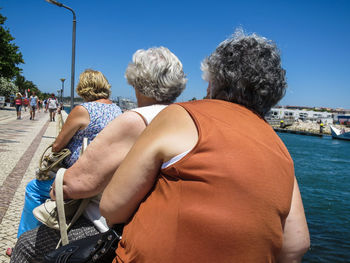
[(210, 180), (155, 73), (158, 79)]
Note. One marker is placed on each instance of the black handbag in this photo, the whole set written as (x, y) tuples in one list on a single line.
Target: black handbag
[(97, 248)]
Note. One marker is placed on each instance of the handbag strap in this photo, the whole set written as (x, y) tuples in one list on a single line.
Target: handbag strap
[(60, 205), (60, 208), (42, 156), (60, 156)]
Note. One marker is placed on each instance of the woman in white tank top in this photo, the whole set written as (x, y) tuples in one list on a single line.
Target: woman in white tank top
[(158, 79)]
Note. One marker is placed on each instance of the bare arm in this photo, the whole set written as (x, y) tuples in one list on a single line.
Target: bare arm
[(170, 133), (78, 119), (94, 169), (296, 239)]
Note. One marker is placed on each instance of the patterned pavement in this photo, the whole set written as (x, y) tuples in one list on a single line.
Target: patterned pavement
[(21, 145)]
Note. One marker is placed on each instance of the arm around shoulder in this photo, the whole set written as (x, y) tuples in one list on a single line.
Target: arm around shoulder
[(169, 134), (296, 238), (94, 169)]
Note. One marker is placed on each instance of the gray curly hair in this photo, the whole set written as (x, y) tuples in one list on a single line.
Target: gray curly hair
[(156, 73), (246, 69)]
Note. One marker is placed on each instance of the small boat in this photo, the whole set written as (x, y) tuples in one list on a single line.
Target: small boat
[(339, 134)]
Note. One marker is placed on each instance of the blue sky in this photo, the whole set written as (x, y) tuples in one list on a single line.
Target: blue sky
[(313, 37)]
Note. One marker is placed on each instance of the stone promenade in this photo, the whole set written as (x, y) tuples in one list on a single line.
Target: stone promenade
[(21, 144)]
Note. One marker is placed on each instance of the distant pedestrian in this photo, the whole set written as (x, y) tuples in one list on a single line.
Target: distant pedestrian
[(44, 104), (282, 125), (321, 127), (33, 102), (18, 105), (25, 103), (52, 105), (40, 103)]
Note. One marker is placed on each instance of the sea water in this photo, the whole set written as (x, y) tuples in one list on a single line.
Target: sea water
[(322, 168)]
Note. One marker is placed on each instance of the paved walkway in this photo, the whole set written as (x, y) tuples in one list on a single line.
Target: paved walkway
[(21, 144)]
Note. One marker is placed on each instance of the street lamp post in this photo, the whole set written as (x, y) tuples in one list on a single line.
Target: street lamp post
[(62, 89), (73, 50)]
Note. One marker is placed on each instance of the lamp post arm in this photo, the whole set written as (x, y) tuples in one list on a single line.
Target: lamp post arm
[(70, 9)]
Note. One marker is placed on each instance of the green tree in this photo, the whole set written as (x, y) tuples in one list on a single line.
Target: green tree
[(7, 88), (25, 85), (10, 56), (29, 85), (20, 83), (44, 95)]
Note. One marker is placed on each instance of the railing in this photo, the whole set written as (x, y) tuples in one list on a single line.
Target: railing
[(60, 122)]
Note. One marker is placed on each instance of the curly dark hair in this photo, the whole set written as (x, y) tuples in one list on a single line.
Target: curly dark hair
[(246, 69)]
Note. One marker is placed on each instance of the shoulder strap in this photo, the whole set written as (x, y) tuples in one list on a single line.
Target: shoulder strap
[(42, 156), (60, 205)]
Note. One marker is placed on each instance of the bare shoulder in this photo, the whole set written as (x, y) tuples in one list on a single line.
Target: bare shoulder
[(78, 116), (130, 118), (173, 113), (128, 122), (174, 119), (173, 131), (78, 110)]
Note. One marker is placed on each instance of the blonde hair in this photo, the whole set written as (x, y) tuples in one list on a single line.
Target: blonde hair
[(93, 85)]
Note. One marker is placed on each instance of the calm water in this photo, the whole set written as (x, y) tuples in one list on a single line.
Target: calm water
[(67, 109), (322, 167)]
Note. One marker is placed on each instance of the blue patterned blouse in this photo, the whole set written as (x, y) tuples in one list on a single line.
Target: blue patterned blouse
[(100, 115)]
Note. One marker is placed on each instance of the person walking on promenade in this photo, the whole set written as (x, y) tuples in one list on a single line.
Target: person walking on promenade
[(40, 103), (33, 102), (25, 103), (44, 104), (18, 105), (52, 105)]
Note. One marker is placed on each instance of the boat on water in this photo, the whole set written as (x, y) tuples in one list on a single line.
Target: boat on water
[(339, 134)]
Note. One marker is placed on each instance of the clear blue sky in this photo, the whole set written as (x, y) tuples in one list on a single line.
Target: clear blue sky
[(313, 35)]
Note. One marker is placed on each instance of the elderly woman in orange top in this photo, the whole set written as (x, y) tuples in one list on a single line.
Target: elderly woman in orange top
[(209, 180)]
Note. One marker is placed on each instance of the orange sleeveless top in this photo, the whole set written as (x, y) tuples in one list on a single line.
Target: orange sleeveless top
[(225, 201)]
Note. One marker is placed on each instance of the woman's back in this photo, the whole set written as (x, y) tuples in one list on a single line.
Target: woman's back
[(225, 201), (100, 115)]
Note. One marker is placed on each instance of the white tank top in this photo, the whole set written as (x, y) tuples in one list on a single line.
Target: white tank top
[(149, 112)]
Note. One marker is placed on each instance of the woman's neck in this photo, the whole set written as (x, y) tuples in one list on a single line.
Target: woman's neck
[(106, 101), (145, 101)]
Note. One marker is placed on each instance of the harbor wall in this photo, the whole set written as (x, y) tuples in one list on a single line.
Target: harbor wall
[(306, 127)]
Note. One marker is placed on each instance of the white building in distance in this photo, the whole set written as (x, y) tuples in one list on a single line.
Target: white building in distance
[(296, 114)]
